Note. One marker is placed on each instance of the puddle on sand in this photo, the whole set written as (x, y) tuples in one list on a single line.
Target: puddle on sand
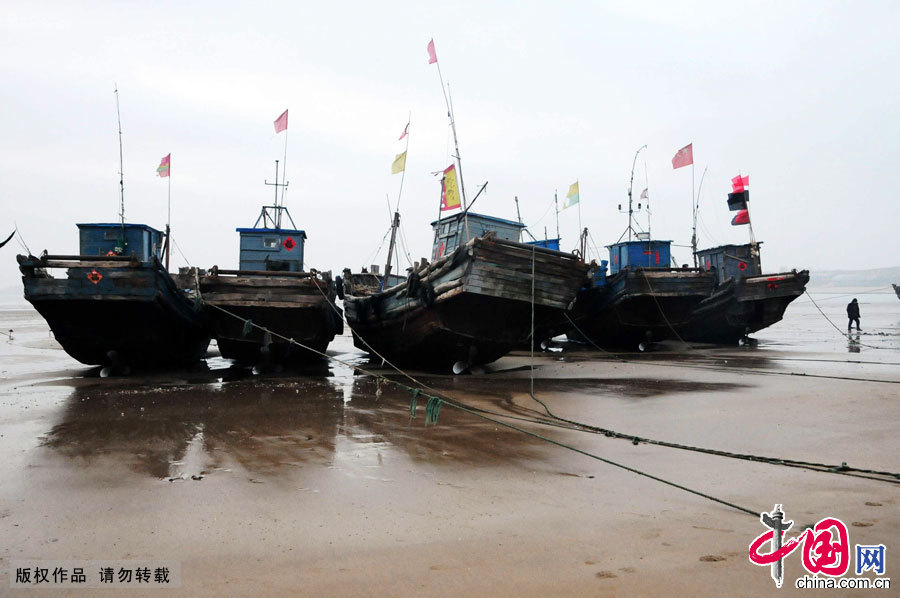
[(266, 425)]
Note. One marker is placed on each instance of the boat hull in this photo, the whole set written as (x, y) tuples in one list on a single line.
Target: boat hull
[(739, 308), (299, 308), (133, 315), (480, 307), (637, 306)]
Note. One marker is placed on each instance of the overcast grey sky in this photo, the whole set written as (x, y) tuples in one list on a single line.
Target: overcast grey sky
[(802, 96)]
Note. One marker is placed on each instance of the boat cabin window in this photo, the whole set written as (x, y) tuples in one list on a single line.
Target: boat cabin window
[(111, 235), (271, 242)]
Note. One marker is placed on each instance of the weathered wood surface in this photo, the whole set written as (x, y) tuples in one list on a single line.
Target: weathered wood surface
[(501, 269), (133, 315), (738, 308), (299, 306), (482, 304)]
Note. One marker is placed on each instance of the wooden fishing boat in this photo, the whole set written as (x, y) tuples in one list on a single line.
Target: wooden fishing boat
[(483, 293), (272, 290), (745, 300), (471, 305), (117, 305), (896, 289), (641, 301)]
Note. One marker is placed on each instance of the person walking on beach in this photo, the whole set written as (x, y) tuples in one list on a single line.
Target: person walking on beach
[(853, 315)]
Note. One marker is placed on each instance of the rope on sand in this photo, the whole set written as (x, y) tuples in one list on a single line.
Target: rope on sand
[(435, 402)]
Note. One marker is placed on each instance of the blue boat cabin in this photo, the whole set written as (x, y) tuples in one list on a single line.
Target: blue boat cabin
[(730, 261), (644, 254), (272, 249), (450, 231), (139, 240)]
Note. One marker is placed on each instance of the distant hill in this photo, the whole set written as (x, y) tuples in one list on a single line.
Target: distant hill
[(874, 279)]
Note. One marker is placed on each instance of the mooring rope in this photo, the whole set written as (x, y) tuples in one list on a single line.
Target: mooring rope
[(435, 402), (751, 372), (842, 469), (844, 334), (662, 313)]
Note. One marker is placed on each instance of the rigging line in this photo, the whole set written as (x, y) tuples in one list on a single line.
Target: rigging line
[(541, 219), (757, 372), (405, 245), (879, 290), (594, 243), (186, 261), (661, 312), (845, 335), (466, 409), (21, 241), (377, 251)]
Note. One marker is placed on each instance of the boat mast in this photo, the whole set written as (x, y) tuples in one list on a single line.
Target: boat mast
[(387, 267), (462, 186), (395, 223), (519, 216), (121, 170), (630, 184), (276, 217), (696, 209)]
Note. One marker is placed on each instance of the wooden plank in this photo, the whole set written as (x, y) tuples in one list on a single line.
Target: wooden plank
[(95, 264)]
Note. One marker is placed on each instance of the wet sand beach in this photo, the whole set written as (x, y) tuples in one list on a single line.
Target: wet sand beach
[(312, 482)]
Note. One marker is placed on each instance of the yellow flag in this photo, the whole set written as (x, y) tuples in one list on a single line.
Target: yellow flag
[(399, 164), (449, 189), (572, 197)]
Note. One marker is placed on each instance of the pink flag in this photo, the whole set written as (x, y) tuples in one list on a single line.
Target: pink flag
[(164, 166), (432, 57), (740, 183), (281, 122), (405, 131), (684, 156)]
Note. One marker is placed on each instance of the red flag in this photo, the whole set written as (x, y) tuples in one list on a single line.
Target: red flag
[(405, 131), (742, 217), (281, 122), (684, 156), (432, 57), (740, 183)]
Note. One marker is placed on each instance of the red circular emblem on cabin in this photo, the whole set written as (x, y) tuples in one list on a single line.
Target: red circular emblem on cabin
[(742, 266), (289, 243), (110, 252), (94, 276)]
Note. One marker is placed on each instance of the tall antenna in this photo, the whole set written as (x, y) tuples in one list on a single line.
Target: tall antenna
[(647, 189), (121, 169), (630, 184), (556, 207)]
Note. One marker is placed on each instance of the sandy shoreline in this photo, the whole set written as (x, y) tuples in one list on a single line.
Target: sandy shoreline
[(312, 486)]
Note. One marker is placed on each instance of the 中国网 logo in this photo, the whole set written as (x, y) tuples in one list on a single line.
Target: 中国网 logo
[(825, 550)]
